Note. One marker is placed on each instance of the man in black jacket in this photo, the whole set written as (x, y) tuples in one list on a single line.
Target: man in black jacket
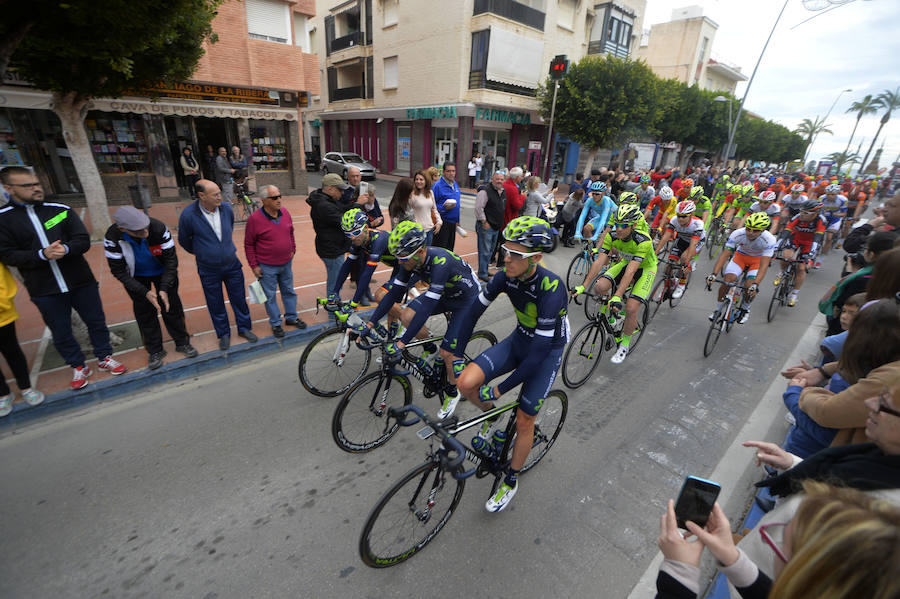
[(141, 254), (490, 203), (47, 243), (326, 210)]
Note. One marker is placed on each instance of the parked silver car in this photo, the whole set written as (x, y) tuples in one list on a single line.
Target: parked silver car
[(339, 162)]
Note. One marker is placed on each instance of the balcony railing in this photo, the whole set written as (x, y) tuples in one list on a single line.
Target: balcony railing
[(477, 80), (348, 41), (598, 47), (347, 93), (511, 9)]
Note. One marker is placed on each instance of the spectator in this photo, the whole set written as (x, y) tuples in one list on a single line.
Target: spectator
[(270, 248), (424, 208), (238, 163), (489, 163), (473, 172), (579, 182), (832, 344), (533, 198), (569, 215), (141, 255), (47, 243), (489, 204), (514, 199), (479, 166), (656, 175), (367, 201), (400, 208), (326, 210), (446, 196), (9, 347), (885, 281), (209, 163), (596, 174), (191, 170), (224, 174), (676, 184), (204, 229)]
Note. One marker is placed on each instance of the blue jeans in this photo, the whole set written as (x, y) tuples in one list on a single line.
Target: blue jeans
[(332, 268), (274, 278), (57, 312), (487, 239), (233, 278), (429, 237)]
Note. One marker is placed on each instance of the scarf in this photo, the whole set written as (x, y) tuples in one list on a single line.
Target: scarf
[(190, 159)]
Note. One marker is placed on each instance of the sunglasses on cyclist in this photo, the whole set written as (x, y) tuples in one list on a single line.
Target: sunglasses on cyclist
[(352, 234), (405, 258), (684, 215), (518, 254)]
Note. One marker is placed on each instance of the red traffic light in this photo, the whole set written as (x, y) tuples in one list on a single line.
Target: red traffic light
[(559, 66)]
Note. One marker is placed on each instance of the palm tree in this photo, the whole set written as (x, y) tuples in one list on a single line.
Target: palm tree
[(890, 101), (842, 158), (865, 106), (810, 129)]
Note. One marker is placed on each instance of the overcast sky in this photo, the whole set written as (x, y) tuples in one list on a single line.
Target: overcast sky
[(855, 46)]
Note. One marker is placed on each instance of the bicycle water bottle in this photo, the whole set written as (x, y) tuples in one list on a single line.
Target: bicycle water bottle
[(498, 440)]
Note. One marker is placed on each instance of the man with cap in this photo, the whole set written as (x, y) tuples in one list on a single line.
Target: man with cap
[(140, 252), (326, 210)]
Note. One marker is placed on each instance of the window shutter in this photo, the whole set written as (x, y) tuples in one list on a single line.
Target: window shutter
[(370, 83), (329, 34), (332, 82), (369, 23), (269, 19), (391, 72)]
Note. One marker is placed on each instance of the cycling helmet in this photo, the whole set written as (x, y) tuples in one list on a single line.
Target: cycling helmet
[(628, 214), (758, 221), (598, 186), (733, 188), (354, 220), (530, 231), (811, 206), (767, 196), (797, 188), (779, 180), (833, 188), (747, 189), (666, 194), (406, 238), (627, 197), (726, 178), (696, 191), (688, 182), (645, 178), (686, 207)]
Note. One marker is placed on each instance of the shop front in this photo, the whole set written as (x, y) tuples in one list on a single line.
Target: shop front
[(138, 138)]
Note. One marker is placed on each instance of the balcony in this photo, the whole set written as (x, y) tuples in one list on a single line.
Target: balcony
[(477, 80), (512, 10), (347, 93), (600, 47), (347, 41)]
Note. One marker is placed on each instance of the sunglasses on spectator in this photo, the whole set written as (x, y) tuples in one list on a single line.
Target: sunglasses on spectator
[(518, 254), (29, 185), (278, 197), (883, 405), (352, 234), (775, 538)]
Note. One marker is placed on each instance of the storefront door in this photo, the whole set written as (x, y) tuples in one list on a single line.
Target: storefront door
[(404, 148), (533, 161), (215, 133)]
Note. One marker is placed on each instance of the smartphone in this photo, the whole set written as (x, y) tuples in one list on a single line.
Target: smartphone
[(695, 502), (555, 184)]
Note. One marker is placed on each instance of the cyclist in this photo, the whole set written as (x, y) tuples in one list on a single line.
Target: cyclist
[(645, 192), (660, 204), (766, 203), (628, 197), (748, 250), (802, 236), (834, 209), (792, 202), (704, 206), (452, 286), (532, 353), (599, 206), (689, 234), (636, 270)]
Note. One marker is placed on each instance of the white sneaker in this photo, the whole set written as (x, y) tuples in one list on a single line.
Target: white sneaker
[(620, 355), (448, 406), (33, 397), (792, 299), (745, 317), (6, 404), (501, 498), (678, 292)]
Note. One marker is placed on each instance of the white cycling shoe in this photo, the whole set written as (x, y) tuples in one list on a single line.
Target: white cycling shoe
[(678, 292), (620, 355)]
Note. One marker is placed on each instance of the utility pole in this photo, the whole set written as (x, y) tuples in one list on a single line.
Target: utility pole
[(559, 66)]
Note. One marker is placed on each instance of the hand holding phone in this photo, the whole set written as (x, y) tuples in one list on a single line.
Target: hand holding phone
[(696, 501)]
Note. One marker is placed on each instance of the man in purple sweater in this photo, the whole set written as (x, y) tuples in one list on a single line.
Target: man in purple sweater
[(270, 247)]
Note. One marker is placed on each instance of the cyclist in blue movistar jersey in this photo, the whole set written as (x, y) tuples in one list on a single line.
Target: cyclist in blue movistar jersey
[(453, 286), (532, 353), (367, 244), (599, 206)]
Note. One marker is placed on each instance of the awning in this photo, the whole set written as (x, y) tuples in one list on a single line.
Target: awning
[(514, 59)]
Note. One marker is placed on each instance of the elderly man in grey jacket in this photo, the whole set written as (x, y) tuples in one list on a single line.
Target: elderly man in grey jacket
[(224, 172)]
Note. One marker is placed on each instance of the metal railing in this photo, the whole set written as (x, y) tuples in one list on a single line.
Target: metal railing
[(511, 9), (347, 93), (347, 41)]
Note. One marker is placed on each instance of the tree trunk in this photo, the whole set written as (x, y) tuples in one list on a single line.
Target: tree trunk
[(590, 162), (862, 165), (852, 133), (71, 110)]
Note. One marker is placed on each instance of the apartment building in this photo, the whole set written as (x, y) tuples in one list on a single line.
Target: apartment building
[(412, 83), (248, 91), (682, 49)]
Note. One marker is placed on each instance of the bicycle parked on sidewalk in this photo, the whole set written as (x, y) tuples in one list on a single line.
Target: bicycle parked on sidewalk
[(784, 284), (360, 422), (415, 509), (243, 203), (725, 318)]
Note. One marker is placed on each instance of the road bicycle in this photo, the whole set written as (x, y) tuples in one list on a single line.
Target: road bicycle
[(360, 422), (663, 288), (581, 264), (784, 284), (418, 506), (243, 203), (725, 318), (603, 332), (717, 236)]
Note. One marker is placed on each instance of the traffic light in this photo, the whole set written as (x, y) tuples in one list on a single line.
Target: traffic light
[(559, 66)]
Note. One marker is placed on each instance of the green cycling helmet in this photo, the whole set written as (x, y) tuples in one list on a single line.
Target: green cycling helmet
[(405, 239), (748, 190), (628, 214), (627, 197), (696, 191), (645, 178), (354, 220), (758, 221), (530, 231)]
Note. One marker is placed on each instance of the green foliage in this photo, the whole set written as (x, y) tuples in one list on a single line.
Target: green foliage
[(100, 48), (842, 158), (682, 109)]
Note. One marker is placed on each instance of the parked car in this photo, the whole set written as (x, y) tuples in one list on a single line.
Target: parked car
[(313, 162), (339, 162)]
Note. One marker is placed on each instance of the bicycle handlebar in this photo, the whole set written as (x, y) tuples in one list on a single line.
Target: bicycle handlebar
[(729, 283), (455, 453)]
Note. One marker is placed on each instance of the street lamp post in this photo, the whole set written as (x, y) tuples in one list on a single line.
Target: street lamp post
[(824, 121), (724, 99)]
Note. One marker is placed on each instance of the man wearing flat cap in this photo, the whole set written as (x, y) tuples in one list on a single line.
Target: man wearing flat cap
[(141, 254), (326, 210)]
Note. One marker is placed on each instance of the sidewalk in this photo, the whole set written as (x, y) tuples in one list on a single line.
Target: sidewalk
[(50, 374)]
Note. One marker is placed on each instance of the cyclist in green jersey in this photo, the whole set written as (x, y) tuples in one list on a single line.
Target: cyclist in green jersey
[(704, 206), (627, 197), (637, 266)]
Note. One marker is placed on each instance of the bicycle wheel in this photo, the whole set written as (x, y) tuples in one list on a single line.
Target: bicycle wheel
[(658, 295), (479, 342), (360, 420), (713, 241), (675, 301), (578, 270), (331, 363), (775, 302), (547, 425), (642, 321), (583, 354), (592, 301), (409, 515), (712, 336)]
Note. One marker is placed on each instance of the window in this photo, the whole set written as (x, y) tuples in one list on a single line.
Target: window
[(391, 12), (390, 72), (535, 4), (478, 66), (269, 145), (117, 141), (565, 16), (301, 33), (269, 20)]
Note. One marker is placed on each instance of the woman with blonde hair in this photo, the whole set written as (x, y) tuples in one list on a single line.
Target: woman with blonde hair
[(424, 206)]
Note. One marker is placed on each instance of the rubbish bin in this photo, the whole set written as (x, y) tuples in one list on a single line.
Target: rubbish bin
[(140, 194)]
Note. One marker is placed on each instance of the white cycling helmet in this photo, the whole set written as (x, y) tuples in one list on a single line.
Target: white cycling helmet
[(666, 193), (833, 188)]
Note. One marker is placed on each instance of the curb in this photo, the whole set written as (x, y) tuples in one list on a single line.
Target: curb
[(139, 380)]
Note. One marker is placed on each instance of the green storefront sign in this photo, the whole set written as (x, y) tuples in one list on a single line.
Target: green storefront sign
[(503, 116), (431, 112)]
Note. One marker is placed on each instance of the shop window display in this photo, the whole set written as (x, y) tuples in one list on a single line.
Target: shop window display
[(269, 145), (9, 151), (118, 142)]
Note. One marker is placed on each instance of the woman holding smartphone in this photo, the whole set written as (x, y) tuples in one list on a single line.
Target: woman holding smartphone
[(424, 207)]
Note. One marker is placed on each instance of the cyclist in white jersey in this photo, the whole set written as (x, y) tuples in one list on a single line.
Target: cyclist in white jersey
[(766, 203), (792, 202), (834, 209), (689, 234)]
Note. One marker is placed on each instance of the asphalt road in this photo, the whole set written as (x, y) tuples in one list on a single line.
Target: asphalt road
[(231, 486)]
